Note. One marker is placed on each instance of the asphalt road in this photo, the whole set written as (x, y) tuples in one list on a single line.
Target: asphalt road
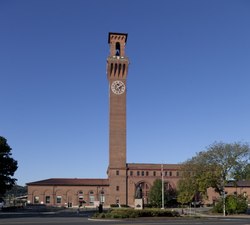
[(146, 221)]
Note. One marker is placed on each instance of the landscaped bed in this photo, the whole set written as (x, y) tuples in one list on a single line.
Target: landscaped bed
[(134, 213)]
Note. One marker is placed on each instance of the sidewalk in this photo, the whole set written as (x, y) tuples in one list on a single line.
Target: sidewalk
[(205, 212)]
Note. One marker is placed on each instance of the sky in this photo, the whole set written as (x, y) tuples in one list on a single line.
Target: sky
[(187, 85)]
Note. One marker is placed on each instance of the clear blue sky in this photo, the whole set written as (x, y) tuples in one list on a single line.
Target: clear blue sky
[(188, 81)]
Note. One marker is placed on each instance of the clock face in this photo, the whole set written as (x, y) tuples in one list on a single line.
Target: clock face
[(118, 87)]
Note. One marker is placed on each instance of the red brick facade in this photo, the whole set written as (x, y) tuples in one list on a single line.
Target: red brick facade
[(118, 189), (123, 177)]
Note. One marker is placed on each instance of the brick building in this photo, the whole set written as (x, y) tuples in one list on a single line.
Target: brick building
[(123, 177)]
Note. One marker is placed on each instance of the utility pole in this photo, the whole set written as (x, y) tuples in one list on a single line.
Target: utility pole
[(224, 194), (224, 202)]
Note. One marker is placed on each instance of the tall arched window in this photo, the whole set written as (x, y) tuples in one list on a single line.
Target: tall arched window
[(91, 197), (102, 197), (80, 198), (123, 69), (117, 49), (145, 187), (111, 68)]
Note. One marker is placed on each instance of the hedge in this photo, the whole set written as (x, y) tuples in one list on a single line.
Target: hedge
[(134, 213)]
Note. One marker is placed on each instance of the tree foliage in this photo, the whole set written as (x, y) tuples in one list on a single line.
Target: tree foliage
[(234, 204), (17, 191), (242, 172), (214, 167), (8, 166), (155, 193), (186, 191)]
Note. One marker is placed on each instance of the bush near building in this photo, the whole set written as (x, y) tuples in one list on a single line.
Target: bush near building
[(234, 204)]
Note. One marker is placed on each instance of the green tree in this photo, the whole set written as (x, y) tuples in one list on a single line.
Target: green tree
[(8, 166), (155, 193), (186, 191), (216, 166), (17, 191)]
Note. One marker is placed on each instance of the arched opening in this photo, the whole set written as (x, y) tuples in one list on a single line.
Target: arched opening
[(102, 197), (91, 197), (111, 68), (59, 197), (36, 197), (48, 197), (119, 69), (70, 198), (123, 69), (81, 198), (117, 49), (115, 68), (145, 187)]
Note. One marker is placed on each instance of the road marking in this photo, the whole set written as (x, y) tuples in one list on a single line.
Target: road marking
[(40, 222)]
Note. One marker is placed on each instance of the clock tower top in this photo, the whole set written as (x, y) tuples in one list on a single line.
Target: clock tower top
[(117, 62), (117, 42)]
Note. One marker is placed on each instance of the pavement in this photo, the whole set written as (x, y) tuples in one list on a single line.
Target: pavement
[(187, 212), (206, 212)]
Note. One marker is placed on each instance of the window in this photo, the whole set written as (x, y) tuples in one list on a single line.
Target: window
[(117, 172), (177, 174), (117, 188), (138, 173), (91, 197), (131, 173), (146, 173), (142, 173), (154, 173), (80, 197), (166, 174), (36, 199), (102, 197), (47, 199), (170, 174), (58, 199)]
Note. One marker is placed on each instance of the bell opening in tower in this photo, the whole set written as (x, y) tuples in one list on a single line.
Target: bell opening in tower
[(117, 49)]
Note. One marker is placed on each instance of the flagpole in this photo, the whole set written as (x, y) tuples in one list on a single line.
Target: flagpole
[(162, 187)]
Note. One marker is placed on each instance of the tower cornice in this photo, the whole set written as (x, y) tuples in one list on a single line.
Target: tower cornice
[(117, 36)]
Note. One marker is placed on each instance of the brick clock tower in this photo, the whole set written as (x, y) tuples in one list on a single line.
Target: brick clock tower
[(117, 69)]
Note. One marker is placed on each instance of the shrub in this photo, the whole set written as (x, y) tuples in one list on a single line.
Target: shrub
[(234, 204), (114, 205), (124, 206)]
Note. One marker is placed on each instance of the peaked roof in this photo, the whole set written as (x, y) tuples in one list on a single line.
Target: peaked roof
[(70, 182)]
